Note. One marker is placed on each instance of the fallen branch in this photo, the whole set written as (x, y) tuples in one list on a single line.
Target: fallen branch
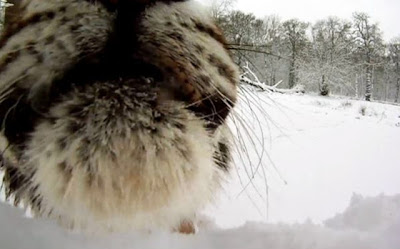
[(255, 82)]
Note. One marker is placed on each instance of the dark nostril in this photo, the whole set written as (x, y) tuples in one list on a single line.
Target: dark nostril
[(17, 118), (214, 110), (111, 5)]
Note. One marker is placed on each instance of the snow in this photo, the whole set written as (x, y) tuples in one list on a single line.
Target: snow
[(328, 179), (322, 147), (345, 231)]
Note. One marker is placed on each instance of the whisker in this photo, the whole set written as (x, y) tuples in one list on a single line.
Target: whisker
[(9, 111)]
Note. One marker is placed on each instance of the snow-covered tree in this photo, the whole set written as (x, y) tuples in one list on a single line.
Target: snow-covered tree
[(394, 64), (332, 55), (295, 38), (220, 8), (368, 39), (273, 43), (237, 27), (327, 61)]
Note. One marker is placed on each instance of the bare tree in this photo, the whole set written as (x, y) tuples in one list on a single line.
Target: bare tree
[(257, 41), (272, 41), (339, 56), (295, 38), (368, 39), (327, 61), (394, 59), (220, 8), (237, 27)]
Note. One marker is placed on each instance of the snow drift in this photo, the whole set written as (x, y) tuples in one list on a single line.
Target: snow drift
[(368, 223)]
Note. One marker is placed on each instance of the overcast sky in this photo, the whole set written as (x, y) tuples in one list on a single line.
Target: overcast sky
[(385, 12)]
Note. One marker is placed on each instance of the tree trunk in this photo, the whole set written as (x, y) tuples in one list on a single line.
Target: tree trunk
[(292, 71), (368, 87), (397, 91), (323, 87), (273, 79), (387, 85), (357, 85)]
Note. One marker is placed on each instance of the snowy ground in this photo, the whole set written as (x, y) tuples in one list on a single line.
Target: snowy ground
[(320, 152), (323, 149), (370, 223)]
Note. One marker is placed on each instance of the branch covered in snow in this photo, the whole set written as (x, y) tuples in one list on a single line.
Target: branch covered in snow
[(255, 82)]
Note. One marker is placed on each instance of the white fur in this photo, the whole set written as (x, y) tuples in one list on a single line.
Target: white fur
[(188, 11), (26, 69), (157, 189), (133, 178)]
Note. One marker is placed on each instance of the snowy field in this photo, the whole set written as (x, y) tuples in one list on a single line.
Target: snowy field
[(318, 152), (328, 177)]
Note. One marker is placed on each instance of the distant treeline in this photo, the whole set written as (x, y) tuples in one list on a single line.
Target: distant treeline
[(329, 56)]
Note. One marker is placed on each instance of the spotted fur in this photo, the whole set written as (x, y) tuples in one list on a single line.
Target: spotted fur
[(114, 112)]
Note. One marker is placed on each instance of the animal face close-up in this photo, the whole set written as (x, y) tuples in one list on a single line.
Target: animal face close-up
[(199, 124), (114, 112)]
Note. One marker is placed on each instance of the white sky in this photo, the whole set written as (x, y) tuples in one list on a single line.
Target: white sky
[(385, 12)]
